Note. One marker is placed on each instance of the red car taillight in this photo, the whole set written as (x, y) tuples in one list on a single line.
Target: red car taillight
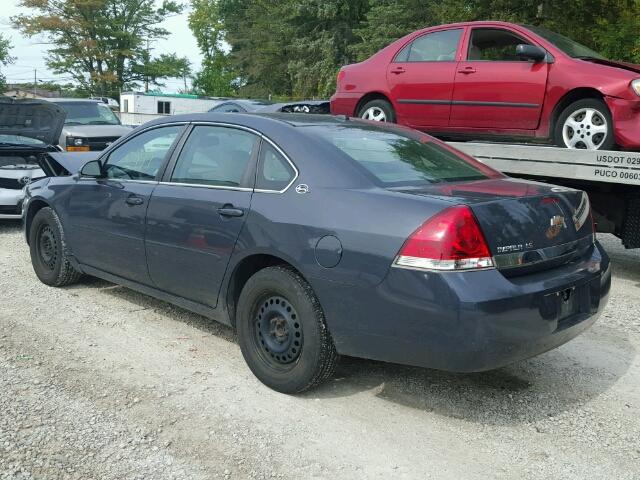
[(451, 240), (340, 78)]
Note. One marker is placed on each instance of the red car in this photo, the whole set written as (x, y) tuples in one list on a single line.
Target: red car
[(497, 80)]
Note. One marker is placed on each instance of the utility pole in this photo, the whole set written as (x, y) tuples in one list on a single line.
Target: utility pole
[(35, 82), (146, 69)]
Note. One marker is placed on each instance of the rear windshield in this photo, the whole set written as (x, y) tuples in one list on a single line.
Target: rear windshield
[(396, 160)]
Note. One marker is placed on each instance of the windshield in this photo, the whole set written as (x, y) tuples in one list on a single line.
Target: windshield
[(395, 160), (20, 140), (88, 113), (568, 46)]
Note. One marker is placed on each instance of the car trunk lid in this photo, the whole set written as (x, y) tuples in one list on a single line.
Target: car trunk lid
[(524, 222)]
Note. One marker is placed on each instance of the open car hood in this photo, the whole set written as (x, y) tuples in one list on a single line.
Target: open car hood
[(35, 119)]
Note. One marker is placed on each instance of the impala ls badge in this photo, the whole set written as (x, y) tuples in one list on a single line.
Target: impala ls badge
[(557, 224)]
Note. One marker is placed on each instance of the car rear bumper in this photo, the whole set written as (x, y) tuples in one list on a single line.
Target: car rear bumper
[(626, 121), (345, 104), (11, 204), (473, 321)]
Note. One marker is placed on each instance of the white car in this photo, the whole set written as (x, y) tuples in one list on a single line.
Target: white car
[(29, 130)]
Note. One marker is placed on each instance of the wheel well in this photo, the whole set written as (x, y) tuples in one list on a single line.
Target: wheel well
[(368, 97), (243, 272), (568, 99), (34, 207)]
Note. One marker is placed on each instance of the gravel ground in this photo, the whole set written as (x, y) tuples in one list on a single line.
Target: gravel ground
[(99, 382)]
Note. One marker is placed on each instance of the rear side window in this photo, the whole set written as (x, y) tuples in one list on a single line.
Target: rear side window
[(274, 172), (216, 156), (432, 47), (394, 160), (494, 44)]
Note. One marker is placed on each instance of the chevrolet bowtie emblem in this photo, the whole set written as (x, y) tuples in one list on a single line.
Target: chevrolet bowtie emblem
[(557, 224)]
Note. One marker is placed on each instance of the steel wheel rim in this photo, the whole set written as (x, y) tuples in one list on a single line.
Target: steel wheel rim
[(47, 247), (375, 114), (277, 331), (585, 129)]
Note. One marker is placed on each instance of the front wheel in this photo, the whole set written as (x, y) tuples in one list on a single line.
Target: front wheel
[(378, 111), (282, 333), (586, 124), (49, 251)]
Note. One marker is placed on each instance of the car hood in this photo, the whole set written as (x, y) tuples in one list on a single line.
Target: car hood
[(613, 63), (92, 131), (35, 119)]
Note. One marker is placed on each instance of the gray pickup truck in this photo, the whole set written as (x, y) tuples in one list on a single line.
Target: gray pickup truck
[(90, 125)]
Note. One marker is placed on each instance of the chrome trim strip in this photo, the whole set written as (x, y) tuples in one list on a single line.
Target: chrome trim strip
[(532, 257), (202, 185), (119, 180), (468, 103)]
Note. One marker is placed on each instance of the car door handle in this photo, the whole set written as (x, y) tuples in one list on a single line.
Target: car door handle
[(230, 211), (134, 200), (398, 71), (467, 70)]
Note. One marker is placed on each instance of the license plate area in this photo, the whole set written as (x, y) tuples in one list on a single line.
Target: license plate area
[(571, 305)]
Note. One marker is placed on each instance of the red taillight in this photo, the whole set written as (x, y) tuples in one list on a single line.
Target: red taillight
[(341, 75), (450, 240)]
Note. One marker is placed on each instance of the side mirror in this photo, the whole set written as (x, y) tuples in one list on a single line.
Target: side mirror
[(531, 52), (92, 169)]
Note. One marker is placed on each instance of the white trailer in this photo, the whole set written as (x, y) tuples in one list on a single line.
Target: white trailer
[(612, 179), (138, 107)]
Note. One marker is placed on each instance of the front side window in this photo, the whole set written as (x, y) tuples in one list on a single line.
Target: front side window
[(432, 47), (494, 44), (215, 156), (274, 172), (391, 159), (142, 157)]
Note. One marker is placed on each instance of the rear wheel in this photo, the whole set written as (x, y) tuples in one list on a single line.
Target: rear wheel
[(49, 252), (586, 124), (378, 111), (282, 332)]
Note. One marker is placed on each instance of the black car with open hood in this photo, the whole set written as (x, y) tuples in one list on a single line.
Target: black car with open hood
[(29, 131)]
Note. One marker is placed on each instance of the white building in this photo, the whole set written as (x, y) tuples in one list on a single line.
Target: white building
[(137, 108)]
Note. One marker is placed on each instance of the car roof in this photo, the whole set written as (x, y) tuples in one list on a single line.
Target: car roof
[(255, 120), (73, 100)]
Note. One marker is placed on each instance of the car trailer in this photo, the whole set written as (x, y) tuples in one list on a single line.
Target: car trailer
[(611, 178)]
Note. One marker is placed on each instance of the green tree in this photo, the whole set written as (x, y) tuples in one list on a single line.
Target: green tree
[(101, 43), (216, 77), (5, 59)]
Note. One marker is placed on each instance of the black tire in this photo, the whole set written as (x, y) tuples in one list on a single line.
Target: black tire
[(383, 105), (607, 142), (49, 251), (277, 308)]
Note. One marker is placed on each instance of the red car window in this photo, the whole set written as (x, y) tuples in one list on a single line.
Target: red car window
[(438, 46), (494, 44)]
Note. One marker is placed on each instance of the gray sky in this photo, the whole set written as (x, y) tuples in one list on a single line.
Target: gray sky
[(31, 53)]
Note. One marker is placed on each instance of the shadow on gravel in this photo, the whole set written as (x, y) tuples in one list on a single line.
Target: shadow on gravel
[(625, 263), (10, 226), (140, 302), (528, 391)]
